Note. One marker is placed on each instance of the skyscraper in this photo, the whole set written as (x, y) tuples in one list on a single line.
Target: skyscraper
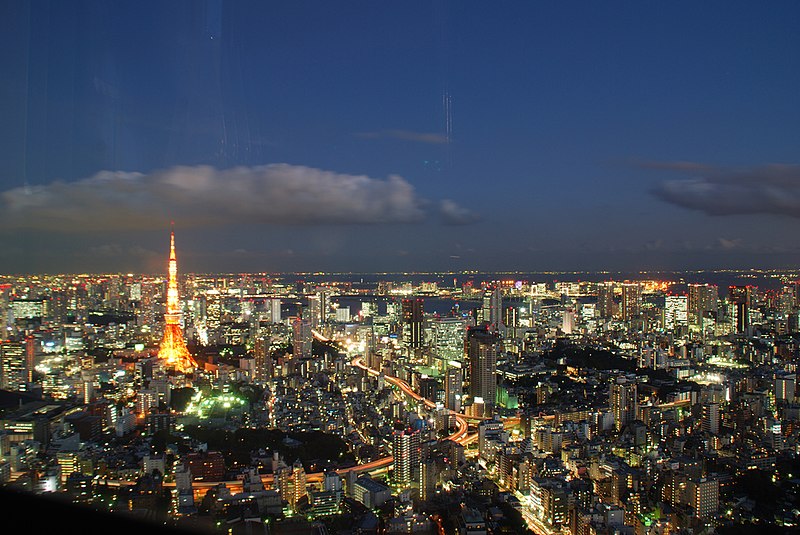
[(740, 297), (493, 308), (482, 349), (173, 349), (702, 301), (413, 316), (675, 312)]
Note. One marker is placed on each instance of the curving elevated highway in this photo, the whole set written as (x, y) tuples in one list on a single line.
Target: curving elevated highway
[(460, 435)]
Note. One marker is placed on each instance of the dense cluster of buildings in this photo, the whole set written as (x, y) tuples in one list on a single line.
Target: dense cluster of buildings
[(642, 406)]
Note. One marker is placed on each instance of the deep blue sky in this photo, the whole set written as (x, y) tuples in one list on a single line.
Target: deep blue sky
[(315, 135)]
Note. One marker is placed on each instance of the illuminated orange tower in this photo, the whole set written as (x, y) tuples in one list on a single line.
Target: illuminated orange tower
[(173, 349)]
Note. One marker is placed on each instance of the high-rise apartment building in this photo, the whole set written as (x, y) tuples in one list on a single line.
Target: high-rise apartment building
[(264, 366), (785, 386), (605, 300), (453, 386), (318, 305), (702, 495), (301, 338), (298, 483), (709, 420), (405, 456), (623, 401), (631, 306)]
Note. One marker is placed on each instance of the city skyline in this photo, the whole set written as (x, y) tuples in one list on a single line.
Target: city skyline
[(441, 136), (573, 403)]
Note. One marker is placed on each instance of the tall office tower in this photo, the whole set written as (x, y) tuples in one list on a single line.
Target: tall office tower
[(482, 347), (623, 401), (453, 386), (675, 312), (703, 300), (274, 310), (405, 456), (492, 310), (13, 365), (605, 299), (301, 338), (740, 297), (314, 311), (263, 360), (631, 301), (413, 317), (447, 334), (173, 349), (709, 420), (318, 308), (213, 309)]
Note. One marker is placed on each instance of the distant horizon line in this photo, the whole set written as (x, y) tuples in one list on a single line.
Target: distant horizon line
[(430, 272)]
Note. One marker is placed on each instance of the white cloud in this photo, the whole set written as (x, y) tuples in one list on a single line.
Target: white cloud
[(202, 196), (454, 214)]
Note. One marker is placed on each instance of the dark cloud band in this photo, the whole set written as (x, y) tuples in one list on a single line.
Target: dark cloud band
[(770, 189)]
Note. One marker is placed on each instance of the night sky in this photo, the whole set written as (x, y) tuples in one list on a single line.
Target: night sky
[(399, 136)]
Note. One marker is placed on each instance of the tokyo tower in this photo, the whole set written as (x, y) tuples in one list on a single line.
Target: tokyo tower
[(173, 351)]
